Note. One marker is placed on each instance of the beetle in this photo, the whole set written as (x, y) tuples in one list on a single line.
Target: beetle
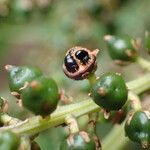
[(79, 62)]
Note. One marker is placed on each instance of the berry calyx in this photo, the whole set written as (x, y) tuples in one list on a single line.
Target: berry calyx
[(137, 127), (110, 91), (19, 75), (121, 49), (41, 96), (78, 141)]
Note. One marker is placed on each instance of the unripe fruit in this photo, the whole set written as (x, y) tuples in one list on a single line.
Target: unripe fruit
[(110, 91), (19, 75), (137, 127), (78, 141), (121, 49), (9, 141), (41, 96)]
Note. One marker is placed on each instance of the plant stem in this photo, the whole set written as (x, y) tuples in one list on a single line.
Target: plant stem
[(145, 64), (25, 143), (134, 101), (37, 124), (8, 120), (139, 85), (116, 134), (92, 78)]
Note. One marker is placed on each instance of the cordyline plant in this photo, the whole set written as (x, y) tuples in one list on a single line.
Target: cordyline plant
[(108, 93)]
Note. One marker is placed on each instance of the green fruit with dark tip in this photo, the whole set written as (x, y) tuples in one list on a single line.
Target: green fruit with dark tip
[(9, 141), (121, 49), (147, 42), (41, 96), (77, 142), (110, 91), (19, 75), (137, 127)]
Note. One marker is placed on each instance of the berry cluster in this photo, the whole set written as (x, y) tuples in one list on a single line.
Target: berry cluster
[(109, 91), (40, 94), (37, 92)]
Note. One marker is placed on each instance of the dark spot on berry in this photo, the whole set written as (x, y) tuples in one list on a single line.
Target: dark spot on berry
[(83, 56), (46, 107), (71, 64)]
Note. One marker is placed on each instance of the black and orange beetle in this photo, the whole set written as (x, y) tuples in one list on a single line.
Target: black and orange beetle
[(79, 62)]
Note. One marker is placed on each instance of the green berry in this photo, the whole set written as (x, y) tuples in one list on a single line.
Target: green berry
[(121, 49), (137, 127), (147, 42), (110, 91), (78, 141), (41, 96), (9, 141), (19, 75)]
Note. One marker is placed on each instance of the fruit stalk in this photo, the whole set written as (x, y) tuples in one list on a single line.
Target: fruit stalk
[(37, 124), (145, 64)]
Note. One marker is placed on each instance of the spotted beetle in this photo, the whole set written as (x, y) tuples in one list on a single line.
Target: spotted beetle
[(79, 62)]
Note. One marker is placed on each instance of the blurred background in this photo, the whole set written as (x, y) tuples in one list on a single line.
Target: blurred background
[(38, 33)]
